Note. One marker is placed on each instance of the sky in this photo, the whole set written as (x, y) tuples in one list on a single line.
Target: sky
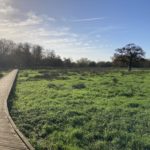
[(77, 28)]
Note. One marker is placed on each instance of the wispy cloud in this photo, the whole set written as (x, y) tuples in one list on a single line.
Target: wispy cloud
[(101, 30), (88, 19)]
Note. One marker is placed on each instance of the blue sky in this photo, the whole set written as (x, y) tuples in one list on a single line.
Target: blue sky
[(77, 28)]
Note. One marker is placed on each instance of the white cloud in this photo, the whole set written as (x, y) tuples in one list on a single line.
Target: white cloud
[(6, 8), (32, 19), (44, 30), (105, 29)]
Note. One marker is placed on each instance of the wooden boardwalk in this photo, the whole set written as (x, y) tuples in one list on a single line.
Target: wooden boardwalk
[(10, 136)]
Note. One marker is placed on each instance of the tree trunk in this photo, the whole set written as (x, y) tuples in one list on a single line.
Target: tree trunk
[(130, 64)]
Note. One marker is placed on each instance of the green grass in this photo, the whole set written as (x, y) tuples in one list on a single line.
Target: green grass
[(83, 110), (3, 73)]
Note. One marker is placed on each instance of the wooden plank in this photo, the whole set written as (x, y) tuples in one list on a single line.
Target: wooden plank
[(10, 139), (10, 145), (7, 148)]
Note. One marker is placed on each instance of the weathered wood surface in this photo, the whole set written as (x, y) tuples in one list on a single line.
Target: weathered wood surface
[(10, 139)]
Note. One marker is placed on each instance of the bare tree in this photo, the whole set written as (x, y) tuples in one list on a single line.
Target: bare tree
[(37, 54), (83, 62)]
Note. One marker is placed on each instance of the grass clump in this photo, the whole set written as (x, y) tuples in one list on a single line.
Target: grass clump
[(133, 105), (52, 85), (1, 75), (79, 86)]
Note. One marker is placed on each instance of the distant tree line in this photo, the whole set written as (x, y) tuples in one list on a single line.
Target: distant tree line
[(25, 55)]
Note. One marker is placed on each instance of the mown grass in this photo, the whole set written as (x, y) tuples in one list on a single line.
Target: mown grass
[(83, 110)]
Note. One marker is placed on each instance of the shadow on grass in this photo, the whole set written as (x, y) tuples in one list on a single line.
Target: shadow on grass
[(12, 96)]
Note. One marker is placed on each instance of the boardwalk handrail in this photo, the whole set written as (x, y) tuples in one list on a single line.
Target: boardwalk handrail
[(22, 137)]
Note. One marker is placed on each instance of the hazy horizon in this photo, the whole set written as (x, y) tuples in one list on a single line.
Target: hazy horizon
[(75, 28)]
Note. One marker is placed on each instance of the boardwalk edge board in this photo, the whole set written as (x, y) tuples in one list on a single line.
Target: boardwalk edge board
[(22, 137)]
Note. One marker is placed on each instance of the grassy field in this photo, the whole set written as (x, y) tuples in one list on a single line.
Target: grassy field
[(83, 110), (2, 73)]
